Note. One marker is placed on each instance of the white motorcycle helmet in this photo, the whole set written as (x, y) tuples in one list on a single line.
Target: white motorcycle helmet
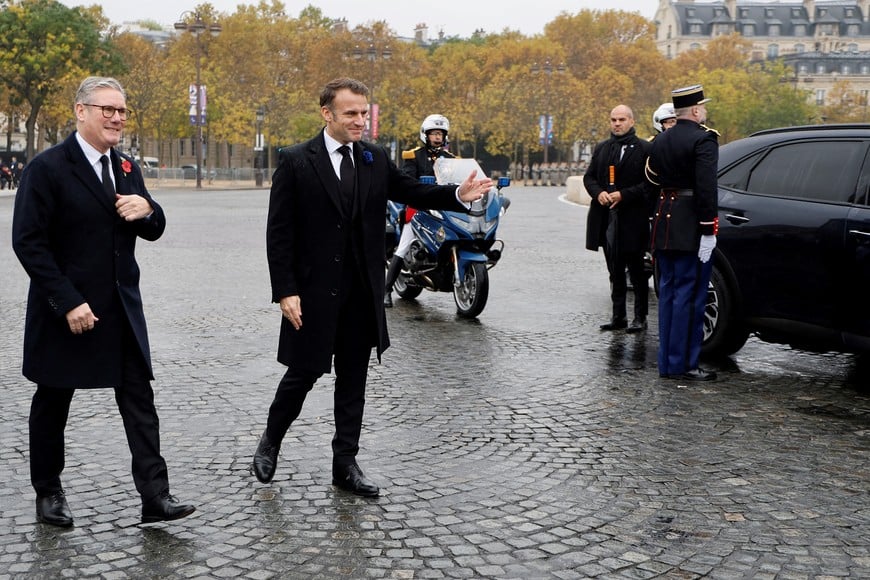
[(663, 113), (434, 122)]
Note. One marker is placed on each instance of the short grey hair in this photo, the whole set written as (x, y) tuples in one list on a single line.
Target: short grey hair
[(93, 84)]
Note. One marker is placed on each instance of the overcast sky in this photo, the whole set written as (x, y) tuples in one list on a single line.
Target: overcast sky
[(454, 17)]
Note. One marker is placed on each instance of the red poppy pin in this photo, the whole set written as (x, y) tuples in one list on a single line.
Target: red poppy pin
[(126, 167)]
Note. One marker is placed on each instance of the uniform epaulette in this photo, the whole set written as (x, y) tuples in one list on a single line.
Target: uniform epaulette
[(706, 128), (410, 153)]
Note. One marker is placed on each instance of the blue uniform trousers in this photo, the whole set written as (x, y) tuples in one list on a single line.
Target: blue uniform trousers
[(683, 282)]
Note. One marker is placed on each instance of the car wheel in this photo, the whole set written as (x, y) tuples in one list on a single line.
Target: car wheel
[(724, 331)]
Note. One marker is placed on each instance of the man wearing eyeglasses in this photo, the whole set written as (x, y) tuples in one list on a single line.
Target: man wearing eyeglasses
[(79, 209)]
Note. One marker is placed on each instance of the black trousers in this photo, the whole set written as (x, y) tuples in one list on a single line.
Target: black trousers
[(351, 354), (633, 261), (135, 399)]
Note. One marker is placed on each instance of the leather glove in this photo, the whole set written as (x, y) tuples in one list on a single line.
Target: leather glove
[(706, 248)]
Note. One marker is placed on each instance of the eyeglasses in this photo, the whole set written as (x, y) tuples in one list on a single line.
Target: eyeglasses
[(109, 111)]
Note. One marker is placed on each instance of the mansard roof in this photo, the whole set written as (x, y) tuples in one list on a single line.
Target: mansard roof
[(786, 15)]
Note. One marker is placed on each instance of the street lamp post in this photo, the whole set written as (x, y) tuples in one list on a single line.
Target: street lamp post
[(372, 55), (196, 27), (547, 68), (259, 146)]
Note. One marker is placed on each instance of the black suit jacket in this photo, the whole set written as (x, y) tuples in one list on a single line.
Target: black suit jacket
[(306, 241), (634, 209), (76, 249)]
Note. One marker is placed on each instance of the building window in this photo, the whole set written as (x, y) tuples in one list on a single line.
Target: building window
[(694, 46), (800, 29), (852, 30), (670, 31), (846, 69), (820, 96), (798, 48), (803, 69), (820, 68), (748, 30), (865, 69), (773, 30), (181, 143), (772, 50), (723, 29), (694, 29)]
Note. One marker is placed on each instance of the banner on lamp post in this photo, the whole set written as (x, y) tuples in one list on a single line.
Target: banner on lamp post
[(545, 129), (191, 92)]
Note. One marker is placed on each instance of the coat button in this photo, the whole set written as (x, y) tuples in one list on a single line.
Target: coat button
[(338, 257), (334, 291)]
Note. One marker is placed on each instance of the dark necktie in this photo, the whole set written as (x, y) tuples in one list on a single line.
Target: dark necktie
[(347, 177), (108, 185)]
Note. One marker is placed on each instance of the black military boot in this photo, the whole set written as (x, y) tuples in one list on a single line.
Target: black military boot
[(396, 265)]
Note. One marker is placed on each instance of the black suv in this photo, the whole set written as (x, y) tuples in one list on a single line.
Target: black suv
[(792, 262)]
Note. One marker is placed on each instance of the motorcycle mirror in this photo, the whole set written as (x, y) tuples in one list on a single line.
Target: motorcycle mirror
[(503, 182)]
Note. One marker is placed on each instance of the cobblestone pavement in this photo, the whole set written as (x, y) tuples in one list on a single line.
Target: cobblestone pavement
[(525, 444)]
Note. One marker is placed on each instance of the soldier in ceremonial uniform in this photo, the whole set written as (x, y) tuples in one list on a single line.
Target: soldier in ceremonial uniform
[(417, 163), (682, 164)]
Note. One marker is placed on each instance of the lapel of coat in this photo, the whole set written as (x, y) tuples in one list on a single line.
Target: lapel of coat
[(322, 165), (363, 172), (84, 172)]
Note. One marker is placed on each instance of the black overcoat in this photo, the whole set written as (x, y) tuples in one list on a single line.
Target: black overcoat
[(306, 241), (634, 209), (76, 249)]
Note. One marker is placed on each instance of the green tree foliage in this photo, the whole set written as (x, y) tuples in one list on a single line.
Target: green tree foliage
[(44, 47)]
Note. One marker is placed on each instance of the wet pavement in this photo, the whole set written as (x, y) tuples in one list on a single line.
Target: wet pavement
[(525, 444)]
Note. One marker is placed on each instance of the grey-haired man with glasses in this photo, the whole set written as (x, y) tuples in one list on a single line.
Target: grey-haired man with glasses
[(79, 210)]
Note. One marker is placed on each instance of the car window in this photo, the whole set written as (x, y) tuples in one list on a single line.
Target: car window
[(818, 170), (737, 175)]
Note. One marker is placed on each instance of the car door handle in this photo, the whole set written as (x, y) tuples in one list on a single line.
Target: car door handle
[(736, 219), (859, 233)]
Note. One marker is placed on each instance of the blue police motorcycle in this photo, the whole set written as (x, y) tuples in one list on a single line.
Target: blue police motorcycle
[(451, 251)]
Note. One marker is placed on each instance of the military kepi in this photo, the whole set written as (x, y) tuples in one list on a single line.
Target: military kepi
[(688, 96)]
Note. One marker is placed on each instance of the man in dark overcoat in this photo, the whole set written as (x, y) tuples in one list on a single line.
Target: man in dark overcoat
[(620, 200), (325, 247), (79, 209)]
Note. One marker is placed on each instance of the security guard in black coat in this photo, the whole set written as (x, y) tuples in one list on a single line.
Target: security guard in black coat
[(682, 164)]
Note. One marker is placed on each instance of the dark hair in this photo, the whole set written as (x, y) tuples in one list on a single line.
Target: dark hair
[(335, 85)]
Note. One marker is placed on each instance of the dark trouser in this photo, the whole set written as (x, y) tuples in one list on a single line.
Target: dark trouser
[(351, 354), (619, 287), (135, 399), (683, 282)]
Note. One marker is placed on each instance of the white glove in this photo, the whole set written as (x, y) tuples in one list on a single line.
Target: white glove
[(706, 248)]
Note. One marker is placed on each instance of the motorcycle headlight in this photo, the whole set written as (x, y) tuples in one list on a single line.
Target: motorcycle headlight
[(440, 235)]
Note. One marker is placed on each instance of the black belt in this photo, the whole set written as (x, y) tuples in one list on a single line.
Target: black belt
[(679, 192)]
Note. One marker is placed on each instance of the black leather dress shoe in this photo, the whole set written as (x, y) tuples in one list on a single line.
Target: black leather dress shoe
[(388, 300), (637, 325), (351, 478), (615, 324), (164, 508), (265, 459), (697, 374), (53, 510)]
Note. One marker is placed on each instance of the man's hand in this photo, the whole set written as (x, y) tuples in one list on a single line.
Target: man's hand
[(706, 248), (81, 319), (132, 207), (472, 190), (291, 308)]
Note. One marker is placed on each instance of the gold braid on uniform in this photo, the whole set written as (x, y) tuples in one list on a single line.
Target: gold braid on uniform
[(706, 128), (650, 173)]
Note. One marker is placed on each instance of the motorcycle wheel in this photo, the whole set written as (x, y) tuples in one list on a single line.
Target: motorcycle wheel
[(403, 290), (471, 294)]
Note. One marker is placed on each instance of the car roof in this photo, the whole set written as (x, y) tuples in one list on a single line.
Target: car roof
[(735, 150)]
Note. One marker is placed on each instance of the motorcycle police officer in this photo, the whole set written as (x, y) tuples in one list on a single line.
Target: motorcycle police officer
[(683, 163), (417, 162)]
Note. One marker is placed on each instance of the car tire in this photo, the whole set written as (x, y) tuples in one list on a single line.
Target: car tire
[(724, 331)]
